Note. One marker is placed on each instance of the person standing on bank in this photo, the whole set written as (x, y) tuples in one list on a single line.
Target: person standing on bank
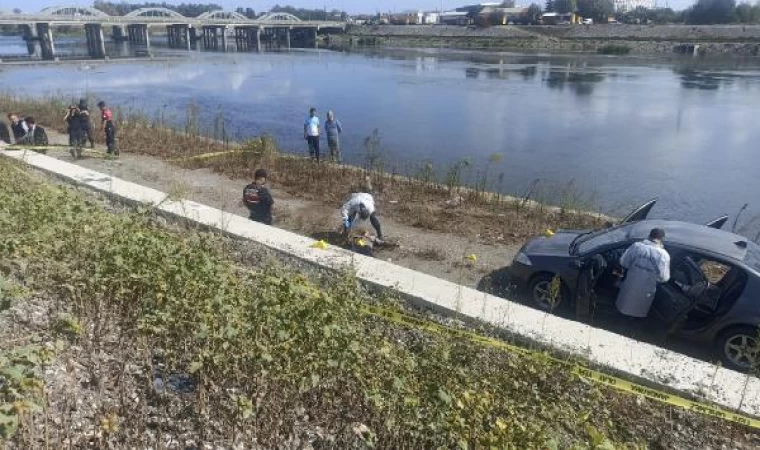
[(18, 127), (106, 125), (333, 129), (311, 133), (647, 263), (84, 118), (258, 199)]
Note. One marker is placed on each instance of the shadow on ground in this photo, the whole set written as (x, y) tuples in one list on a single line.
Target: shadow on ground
[(605, 316)]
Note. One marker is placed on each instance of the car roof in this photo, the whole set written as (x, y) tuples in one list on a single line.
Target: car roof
[(684, 234)]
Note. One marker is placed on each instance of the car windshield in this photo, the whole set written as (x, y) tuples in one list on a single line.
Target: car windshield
[(587, 244)]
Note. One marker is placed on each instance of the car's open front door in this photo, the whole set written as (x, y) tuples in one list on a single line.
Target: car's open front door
[(640, 213)]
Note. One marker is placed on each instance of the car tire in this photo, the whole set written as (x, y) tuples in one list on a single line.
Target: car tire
[(738, 348), (539, 289)]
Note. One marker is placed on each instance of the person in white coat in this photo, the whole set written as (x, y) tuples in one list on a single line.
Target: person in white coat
[(647, 263), (362, 205)]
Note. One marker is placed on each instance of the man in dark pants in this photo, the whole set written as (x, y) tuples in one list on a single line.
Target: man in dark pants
[(76, 132), (86, 124), (35, 135), (258, 199), (361, 205), (107, 125), (311, 133)]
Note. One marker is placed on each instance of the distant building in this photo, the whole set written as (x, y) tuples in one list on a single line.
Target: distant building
[(554, 18), (622, 6), (407, 18), (453, 18), (430, 18)]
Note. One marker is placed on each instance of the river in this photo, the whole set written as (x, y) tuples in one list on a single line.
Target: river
[(617, 130)]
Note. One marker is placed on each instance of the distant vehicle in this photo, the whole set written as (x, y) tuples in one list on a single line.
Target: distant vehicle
[(713, 296), (587, 21)]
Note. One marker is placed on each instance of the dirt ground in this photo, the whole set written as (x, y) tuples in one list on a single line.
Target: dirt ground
[(443, 255)]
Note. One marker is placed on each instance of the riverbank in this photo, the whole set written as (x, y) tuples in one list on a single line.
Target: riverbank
[(433, 225), (111, 362), (740, 40)]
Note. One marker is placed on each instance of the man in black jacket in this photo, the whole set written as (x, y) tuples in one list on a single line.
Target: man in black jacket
[(17, 126), (35, 135), (258, 199)]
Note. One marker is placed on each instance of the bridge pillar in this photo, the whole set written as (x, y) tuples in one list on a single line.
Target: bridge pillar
[(31, 38), (47, 45), (192, 38), (258, 39), (287, 37), (223, 30), (95, 42), (316, 38)]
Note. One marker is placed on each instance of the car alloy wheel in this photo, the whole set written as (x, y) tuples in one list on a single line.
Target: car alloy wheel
[(543, 294), (741, 350)]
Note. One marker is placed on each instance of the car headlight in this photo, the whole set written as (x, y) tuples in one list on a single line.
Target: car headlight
[(523, 259)]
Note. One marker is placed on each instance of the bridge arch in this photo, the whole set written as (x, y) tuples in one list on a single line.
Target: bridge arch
[(221, 14), (279, 17), (73, 11), (153, 12)]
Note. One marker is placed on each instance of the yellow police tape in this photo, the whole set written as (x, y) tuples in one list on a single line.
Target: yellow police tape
[(577, 369), (207, 155)]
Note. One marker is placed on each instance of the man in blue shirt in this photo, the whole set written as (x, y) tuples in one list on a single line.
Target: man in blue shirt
[(311, 133), (333, 129)]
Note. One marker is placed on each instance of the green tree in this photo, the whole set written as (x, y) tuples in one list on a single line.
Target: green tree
[(549, 6), (747, 13), (508, 4), (711, 11), (533, 13), (599, 10), (565, 6)]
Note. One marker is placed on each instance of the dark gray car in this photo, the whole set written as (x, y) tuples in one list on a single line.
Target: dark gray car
[(713, 296)]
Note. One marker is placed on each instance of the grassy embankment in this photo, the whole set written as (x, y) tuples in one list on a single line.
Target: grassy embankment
[(418, 200), (118, 332)]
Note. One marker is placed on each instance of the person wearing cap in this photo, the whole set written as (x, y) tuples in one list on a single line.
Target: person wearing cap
[(647, 263), (258, 199), (360, 205), (107, 125)]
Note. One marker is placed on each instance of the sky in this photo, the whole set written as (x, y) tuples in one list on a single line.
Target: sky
[(352, 6)]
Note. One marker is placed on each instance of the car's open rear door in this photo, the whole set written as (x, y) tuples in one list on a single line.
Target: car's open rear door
[(718, 222), (640, 213)]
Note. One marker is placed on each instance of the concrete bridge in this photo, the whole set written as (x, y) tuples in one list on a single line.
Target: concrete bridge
[(210, 30)]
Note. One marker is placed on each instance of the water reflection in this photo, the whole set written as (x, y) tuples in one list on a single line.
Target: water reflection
[(580, 82)]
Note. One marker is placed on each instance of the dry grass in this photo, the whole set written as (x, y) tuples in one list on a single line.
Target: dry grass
[(442, 202)]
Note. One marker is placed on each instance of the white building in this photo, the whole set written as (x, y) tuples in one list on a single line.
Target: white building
[(430, 18), (629, 5)]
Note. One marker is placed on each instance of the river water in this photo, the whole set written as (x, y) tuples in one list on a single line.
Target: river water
[(616, 130)]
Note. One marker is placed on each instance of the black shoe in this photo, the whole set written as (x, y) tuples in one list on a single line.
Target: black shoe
[(73, 155)]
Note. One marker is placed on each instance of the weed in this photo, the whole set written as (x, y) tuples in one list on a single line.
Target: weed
[(264, 353)]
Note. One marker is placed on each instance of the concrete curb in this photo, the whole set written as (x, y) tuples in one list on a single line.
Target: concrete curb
[(640, 361)]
